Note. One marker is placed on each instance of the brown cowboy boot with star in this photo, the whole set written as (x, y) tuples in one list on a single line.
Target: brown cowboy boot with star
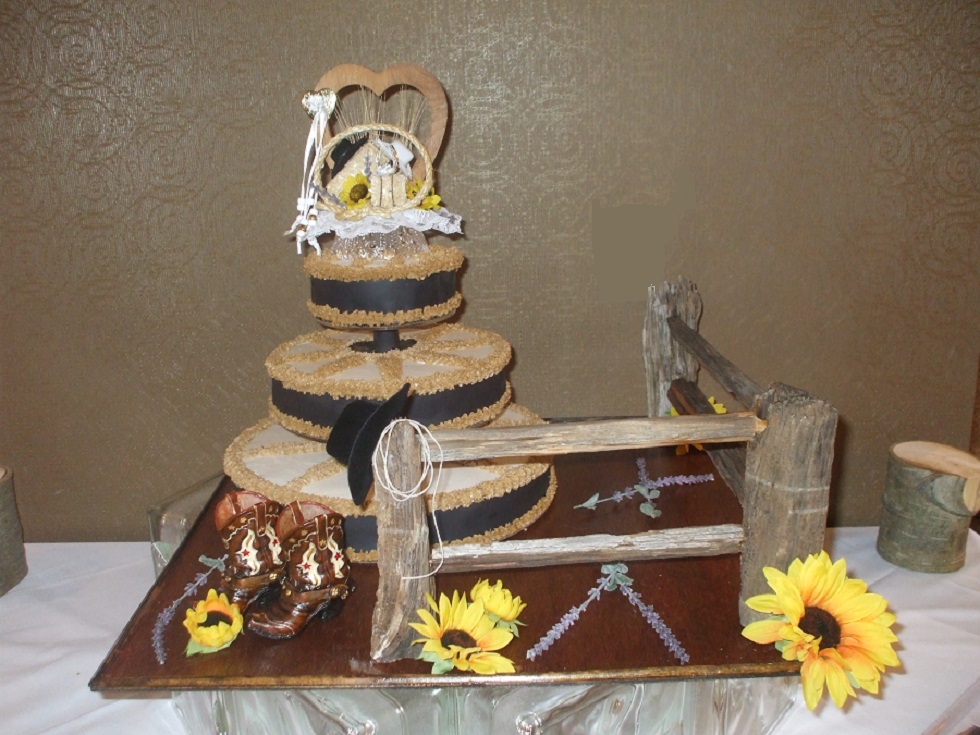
[(317, 575), (247, 522)]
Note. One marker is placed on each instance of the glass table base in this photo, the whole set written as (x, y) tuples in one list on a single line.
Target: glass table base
[(684, 707)]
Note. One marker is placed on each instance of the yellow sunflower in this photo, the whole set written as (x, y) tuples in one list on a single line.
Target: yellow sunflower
[(463, 637), (685, 448), (212, 624), (499, 602), (431, 201), (356, 192), (838, 630)]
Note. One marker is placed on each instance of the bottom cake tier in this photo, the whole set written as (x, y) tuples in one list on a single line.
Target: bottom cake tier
[(473, 501)]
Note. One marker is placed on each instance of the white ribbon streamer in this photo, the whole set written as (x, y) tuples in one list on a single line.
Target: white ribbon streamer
[(320, 106)]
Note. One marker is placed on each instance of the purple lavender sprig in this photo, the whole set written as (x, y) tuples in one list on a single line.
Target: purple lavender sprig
[(190, 589), (649, 489), (615, 578), (567, 621), (657, 623)]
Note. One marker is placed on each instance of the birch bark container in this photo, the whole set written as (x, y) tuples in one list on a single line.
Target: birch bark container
[(931, 493), (13, 563)]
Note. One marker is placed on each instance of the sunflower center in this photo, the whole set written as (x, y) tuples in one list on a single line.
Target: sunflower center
[(214, 618), (456, 637), (821, 624), (358, 192)]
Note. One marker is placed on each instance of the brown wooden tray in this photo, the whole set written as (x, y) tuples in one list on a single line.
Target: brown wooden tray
[(696, 597)]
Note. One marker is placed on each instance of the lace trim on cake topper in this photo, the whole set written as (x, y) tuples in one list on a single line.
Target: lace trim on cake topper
[(324, 222)]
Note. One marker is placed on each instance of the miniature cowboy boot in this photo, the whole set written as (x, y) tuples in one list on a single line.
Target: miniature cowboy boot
[(317, 572), (247, 524)]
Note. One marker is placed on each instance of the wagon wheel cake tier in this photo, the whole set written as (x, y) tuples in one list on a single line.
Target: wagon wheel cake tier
[(457, 374), (474, 501)]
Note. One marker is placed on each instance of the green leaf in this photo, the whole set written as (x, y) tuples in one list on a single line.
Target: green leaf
[(589, 504), (623, 580), (648, 510), (442, 667), (210, 563), (193, 647), (509, 625)]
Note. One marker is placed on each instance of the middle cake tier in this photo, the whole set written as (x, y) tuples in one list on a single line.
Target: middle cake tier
[(457, 373)]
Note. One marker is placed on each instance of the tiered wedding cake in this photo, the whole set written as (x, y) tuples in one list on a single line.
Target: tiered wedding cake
[(383, 296)]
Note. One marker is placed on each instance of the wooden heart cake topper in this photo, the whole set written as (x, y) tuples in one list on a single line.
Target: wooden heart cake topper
[(361, 175), (401, 75)]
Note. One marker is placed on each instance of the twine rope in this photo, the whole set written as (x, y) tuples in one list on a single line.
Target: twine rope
[(428, 480)]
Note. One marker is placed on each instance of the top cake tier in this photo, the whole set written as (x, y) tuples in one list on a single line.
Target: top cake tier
[(412, 288), (368, 200)]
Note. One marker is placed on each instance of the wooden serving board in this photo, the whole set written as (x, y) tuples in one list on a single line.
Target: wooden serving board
[(697, 598)]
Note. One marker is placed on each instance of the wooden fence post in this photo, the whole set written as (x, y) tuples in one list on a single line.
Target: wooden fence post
[(787, 487), (664, 359), (403, 551)]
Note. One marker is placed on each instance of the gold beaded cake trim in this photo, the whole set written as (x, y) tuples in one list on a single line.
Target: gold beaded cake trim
[(415, 266), (361, 319), (480, 417), (434, 345)]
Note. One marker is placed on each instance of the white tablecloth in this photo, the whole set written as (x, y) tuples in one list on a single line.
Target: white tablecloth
[(58, 624)]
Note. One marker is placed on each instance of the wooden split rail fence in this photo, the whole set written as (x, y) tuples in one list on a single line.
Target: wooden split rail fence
[(776, 457)]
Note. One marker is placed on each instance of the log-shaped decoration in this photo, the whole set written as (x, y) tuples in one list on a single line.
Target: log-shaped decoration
[(13, 563), (787, 487), (403, 551), (664, 359), (931, 492)]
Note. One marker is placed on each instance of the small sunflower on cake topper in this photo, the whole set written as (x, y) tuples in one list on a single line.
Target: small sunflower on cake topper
[(429, 202), (466, 635), (356, 192), (839, 631)]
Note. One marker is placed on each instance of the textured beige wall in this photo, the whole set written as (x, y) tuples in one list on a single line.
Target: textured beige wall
[(814, 167)]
